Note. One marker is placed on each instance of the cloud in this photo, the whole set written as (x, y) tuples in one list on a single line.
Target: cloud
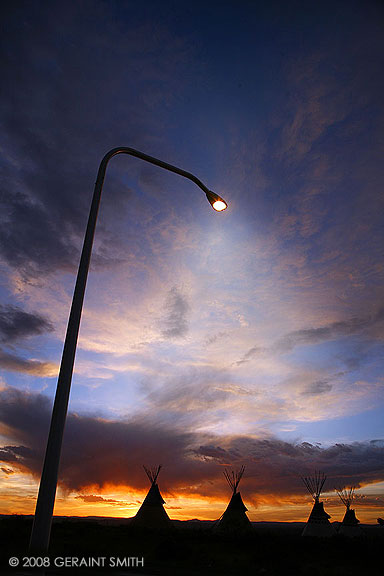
[(15, 324), (329, 332), (252, 352), (100, 452), (92, 499), (275, 465), (318, 387), (215, 337), (198, 396), (310, 336), (55, 134), (15, 363), (96, 451), (176, 321), (216, 400)]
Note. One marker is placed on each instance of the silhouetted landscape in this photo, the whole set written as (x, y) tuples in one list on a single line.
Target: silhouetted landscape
[(193, 547)]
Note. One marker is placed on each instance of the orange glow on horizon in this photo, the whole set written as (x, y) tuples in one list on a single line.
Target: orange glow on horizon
[(123, 502)]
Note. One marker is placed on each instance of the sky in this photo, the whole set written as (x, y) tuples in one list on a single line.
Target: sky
[(208, 340)]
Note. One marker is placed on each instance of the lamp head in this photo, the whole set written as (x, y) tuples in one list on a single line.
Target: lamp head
[(216, 201)]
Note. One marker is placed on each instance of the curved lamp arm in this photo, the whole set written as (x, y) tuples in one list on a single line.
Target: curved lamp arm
[(46, 499)]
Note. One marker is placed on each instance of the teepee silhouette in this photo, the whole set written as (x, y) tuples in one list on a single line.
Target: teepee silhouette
[(318, 522), (151, 514), (234, 519), (350, 524)]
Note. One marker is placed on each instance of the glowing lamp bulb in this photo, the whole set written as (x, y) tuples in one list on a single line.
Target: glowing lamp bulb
[(219, 205), (216, 201)]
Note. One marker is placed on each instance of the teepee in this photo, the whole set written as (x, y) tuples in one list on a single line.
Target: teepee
[(350, 524), (234, 519), (151, 514), (318, 522)]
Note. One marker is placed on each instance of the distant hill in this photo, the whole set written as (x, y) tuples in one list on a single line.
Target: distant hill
[(196, 524)]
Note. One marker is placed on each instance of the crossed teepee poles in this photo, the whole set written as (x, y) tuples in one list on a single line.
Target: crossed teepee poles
[(318, 522), (151, 513)]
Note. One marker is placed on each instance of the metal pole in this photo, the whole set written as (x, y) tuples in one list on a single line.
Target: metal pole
[(41, 529)]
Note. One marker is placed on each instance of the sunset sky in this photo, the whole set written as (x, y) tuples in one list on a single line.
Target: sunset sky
[(208, 340)]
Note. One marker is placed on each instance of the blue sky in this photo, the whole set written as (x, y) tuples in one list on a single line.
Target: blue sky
[(264, 321)]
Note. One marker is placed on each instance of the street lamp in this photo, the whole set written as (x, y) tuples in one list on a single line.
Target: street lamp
[(46, 499)]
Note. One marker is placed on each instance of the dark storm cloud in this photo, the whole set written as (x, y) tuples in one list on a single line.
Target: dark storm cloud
[(67, 99), (175, 324), (95, 451), (99, 452), (15, 323), (273, 465)]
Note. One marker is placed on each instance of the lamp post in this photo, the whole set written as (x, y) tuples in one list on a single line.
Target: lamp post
[(46, 499)]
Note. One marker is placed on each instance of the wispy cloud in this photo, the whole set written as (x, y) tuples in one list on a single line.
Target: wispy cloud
[(318, 387), (251, 353), (329, 332), (316, 335), (16, 363), (176, 314), (93, 499)]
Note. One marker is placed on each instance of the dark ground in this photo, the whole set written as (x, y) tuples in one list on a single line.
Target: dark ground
[(191, 549)]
